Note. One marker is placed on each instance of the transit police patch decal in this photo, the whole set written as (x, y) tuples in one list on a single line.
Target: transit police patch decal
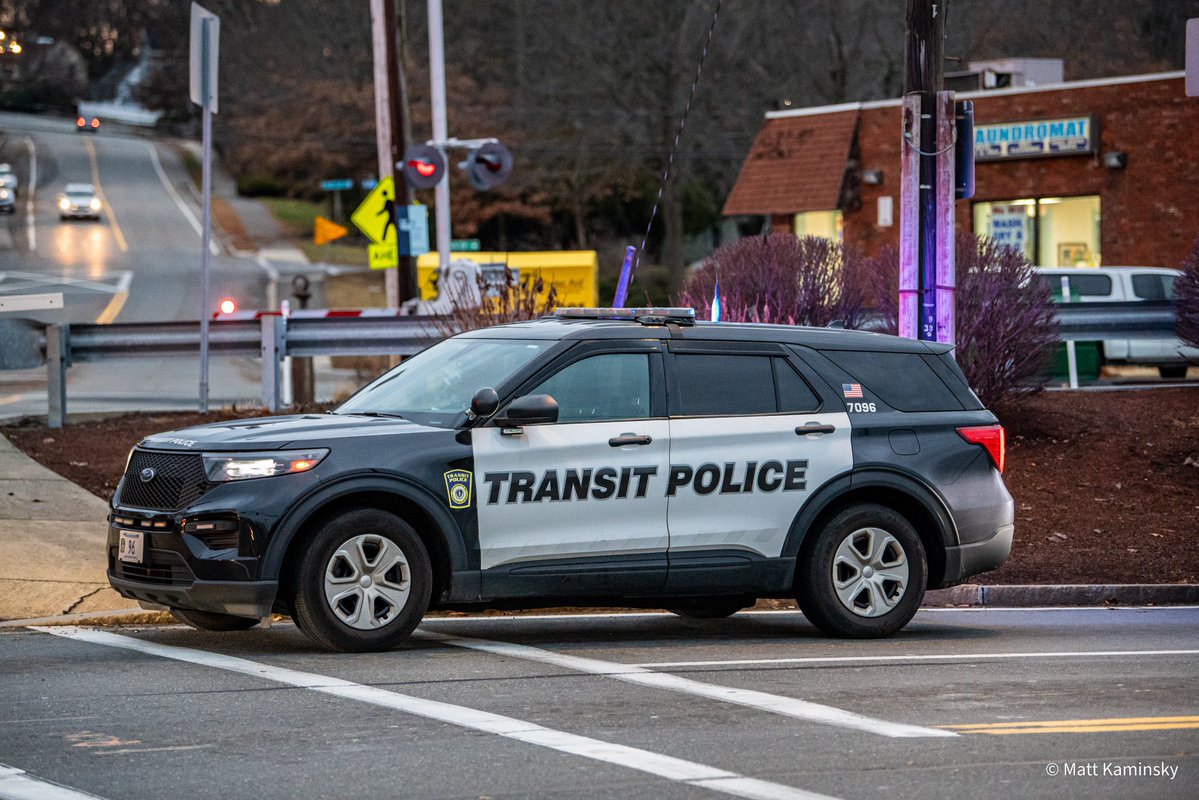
[(457, 488)]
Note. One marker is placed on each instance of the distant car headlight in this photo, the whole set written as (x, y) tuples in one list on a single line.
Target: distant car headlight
[(3, 194), (94, 204), (222, 467), (64, 204)]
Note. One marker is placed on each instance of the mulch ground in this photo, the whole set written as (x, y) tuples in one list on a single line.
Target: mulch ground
[(1106, 483)]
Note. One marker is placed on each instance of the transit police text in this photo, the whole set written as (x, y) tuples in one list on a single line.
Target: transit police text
[(612, 483)]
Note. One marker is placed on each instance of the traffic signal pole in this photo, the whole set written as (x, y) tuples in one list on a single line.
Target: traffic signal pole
[(441, 196), (926, 272)]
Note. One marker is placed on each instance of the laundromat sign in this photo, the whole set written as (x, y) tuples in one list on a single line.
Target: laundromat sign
[(1043, 137)]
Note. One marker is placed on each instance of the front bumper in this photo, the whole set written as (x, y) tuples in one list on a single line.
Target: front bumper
[(182, 568), (78, 213)]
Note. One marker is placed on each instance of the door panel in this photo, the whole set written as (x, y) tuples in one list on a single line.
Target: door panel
[(564, 492), (736, 483)]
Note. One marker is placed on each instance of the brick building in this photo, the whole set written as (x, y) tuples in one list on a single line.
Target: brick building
[(1077, 174)]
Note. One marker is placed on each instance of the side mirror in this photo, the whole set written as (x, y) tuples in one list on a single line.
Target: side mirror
[(532, 409), (484, 403)]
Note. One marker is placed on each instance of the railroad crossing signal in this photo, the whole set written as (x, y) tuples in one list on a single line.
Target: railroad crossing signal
[(423, 166), (489, 165)]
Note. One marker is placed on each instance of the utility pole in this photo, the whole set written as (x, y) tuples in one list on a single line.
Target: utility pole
[(441, 196), (390, 97), (926, 272)]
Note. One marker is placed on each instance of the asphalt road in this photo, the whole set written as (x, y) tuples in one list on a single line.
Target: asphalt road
[(965, 703), (139, 263)]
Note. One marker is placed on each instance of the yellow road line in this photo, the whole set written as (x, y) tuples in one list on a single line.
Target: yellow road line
[(112, 219), (109, 314), (1080, 725)]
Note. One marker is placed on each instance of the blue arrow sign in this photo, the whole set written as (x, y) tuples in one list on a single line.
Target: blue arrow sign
[(337, 185)]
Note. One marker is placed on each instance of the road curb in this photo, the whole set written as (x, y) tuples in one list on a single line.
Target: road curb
[(1118, 594)]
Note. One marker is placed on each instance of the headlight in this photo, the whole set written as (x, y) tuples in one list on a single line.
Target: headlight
[(3, 194), (64, 204), (94, 204), (222, 467)]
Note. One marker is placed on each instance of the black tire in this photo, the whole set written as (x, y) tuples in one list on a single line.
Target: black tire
[(714, 609), (210, 621), (316, 616), (1173, 370), (816, 582)]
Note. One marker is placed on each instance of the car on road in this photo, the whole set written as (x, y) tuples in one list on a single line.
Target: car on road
[(79, 201), (8, 202), (8, 179), (1125, 284), (87, 124), (619, 457)]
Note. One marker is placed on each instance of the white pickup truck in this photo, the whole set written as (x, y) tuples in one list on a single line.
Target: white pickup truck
[(1112, 284)]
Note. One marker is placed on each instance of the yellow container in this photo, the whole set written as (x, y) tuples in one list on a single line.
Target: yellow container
[(572, 272)]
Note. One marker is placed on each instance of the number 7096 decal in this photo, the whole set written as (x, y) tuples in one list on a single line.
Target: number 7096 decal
[(861, 408)]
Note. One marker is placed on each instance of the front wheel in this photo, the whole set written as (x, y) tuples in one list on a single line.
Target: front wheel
[(363, 583), (864, 574)]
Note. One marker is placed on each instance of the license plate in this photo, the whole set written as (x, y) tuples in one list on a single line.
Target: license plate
[(131, 547)]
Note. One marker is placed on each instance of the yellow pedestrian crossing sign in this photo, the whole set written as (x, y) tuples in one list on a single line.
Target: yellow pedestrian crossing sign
[(376, 215)]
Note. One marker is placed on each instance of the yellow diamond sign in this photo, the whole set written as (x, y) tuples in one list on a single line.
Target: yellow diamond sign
[(376, 215)]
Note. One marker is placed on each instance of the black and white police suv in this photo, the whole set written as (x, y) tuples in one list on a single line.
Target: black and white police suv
[(626, 457)]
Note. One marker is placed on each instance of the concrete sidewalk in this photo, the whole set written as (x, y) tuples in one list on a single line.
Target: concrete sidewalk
[(52, 539)]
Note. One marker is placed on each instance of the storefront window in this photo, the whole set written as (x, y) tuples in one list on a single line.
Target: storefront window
[(827, 224), (1052, 231)]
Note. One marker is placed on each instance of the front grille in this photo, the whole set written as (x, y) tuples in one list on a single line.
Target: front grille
[(178, 481), (164, 567)]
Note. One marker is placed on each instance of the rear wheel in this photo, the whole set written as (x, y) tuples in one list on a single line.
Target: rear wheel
[(363, 583), (210, 621), (863, 575)]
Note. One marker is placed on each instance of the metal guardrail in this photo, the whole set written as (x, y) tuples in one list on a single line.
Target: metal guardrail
[(273, 338)]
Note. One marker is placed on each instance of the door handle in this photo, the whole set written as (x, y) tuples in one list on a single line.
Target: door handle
[(627, 439), (804, 430)]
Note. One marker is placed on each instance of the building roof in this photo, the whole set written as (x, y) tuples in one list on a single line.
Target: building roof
[(791, 167)]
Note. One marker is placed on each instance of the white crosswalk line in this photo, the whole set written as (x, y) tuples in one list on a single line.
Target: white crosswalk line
[(776, 704), (17, 784), (663, 766)]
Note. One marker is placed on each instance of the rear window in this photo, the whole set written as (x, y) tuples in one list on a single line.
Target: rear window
[(1153, 287), (901, 380)]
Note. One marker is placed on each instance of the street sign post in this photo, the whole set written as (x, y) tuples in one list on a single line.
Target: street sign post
[(337, 185), (204, 45)]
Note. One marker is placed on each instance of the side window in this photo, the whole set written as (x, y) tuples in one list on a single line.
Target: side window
[(795, 396), (1153, 287), (605, 387), (901, 380), (1090, 285), (719, 385)]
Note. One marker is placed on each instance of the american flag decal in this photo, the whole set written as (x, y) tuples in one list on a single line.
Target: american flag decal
[(852, 390)]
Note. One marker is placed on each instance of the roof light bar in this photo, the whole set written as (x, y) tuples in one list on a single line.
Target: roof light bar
[(653, 315)]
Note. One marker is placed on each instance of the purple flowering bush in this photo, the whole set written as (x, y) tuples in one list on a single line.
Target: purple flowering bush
[(1186, 295), (780, 278), (1006, 328)]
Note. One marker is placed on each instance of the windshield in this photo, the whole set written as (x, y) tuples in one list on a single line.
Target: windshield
[(435, 386)]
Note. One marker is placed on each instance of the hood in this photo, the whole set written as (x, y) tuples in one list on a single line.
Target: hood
[(276, 433)]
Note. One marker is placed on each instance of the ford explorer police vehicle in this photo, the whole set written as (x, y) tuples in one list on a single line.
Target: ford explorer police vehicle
[(625, 457)]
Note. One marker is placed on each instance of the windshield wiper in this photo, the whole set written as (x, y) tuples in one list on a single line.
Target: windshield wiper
[(379, 414)]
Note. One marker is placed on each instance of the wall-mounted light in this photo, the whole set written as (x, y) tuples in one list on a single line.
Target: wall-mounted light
[(872, 177), (1115, 159)]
